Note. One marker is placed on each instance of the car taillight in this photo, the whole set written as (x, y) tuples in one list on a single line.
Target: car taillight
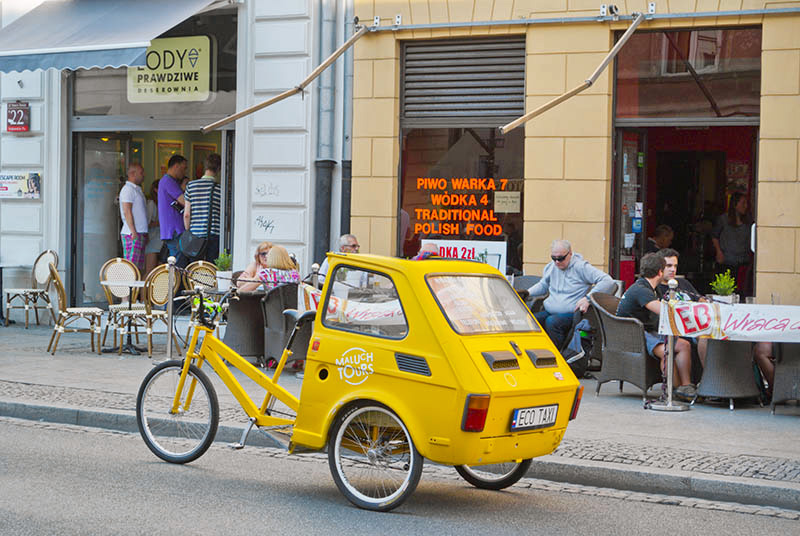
[(577, 403), (475, 412)]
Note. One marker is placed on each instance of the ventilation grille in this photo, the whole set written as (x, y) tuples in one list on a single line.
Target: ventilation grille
[(542, 358), (501, 360), (463, 78), (412, 364)]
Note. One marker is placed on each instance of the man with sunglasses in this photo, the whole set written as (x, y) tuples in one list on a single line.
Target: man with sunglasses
[(569, 279), (348, 243)]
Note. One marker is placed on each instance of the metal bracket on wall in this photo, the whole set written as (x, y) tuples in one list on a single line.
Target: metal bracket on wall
[(651, 8), (398, 20), (376, 21)]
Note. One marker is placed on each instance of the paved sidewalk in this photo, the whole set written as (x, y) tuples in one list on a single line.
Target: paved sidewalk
[(747, 456)]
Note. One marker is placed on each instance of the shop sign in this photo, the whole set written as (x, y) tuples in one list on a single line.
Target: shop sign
[(741, 322), (507, 202), (20, 186), (492, 253), (459, 206), (18, 117), (177, 69)]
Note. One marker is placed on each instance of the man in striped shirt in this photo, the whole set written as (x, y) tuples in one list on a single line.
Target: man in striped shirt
[(203, 195)]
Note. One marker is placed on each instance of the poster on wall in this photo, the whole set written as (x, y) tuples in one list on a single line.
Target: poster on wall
[(20, 186), (164, 151), (200, 152), (492, 253), (177, 69)]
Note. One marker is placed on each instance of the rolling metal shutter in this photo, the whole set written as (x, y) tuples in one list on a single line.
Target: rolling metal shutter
[(465, 82)]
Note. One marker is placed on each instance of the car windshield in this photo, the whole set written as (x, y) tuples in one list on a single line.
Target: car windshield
[(480, 304)]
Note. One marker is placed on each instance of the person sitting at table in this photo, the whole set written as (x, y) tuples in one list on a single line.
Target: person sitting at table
[(765, 359), (247, 280), (684, 292), (280, 268), (569, 279), (641, 301)]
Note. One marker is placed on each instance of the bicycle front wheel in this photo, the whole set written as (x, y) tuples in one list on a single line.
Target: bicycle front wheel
[(373, 459), (185, 434), (494, 476)]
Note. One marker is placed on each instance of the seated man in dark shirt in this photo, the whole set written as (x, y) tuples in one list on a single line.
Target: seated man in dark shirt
[(641, 301)]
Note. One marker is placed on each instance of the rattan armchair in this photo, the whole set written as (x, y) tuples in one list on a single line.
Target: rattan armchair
[(68, 315), (119, 269), (787, 374), (728, 371), (624, 351), (199, 274), (38, 291), (277, 326), (156, 294)]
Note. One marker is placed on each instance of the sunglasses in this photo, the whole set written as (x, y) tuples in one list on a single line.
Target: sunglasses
[(354, 246), (559, 259), (263, 253)]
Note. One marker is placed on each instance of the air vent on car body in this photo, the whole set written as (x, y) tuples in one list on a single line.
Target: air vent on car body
[(501, 360), (412, 364), (542, 358)]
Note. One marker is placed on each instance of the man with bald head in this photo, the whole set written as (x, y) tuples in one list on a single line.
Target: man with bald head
[(133, 211), (569, 279)]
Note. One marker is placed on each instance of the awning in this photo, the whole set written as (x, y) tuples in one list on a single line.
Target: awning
[(83, 34)]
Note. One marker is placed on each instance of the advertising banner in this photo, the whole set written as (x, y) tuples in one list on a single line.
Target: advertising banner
[(353, 312), (21, 186), (741, 322), (177, 69), (492, 253)]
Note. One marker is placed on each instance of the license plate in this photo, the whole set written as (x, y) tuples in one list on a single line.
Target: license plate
[(536, 417)]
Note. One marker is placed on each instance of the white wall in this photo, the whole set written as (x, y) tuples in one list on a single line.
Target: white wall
[(273, 192)]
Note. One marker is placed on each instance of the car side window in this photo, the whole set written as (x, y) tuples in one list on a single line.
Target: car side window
[(364, 302)]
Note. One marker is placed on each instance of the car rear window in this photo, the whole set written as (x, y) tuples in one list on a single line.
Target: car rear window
[(480, 304)]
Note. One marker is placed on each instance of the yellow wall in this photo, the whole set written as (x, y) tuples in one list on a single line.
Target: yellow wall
[(568, 149)]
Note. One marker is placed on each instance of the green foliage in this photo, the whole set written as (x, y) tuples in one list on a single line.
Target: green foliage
[(724, 284), (224, 261)]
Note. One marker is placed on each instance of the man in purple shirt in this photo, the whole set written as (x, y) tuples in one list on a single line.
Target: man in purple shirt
[(170, 203)]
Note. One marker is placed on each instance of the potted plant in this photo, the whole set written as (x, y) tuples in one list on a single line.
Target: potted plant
[(723, 286), (224, 273)]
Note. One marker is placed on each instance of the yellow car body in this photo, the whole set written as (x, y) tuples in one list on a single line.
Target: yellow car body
[(422, 360)]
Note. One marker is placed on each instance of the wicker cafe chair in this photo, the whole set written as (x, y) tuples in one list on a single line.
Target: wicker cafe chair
[(38, 291), (728, 372), (156, 294), (67, 315), (787, 374), (199, 274), (277, 326), (624, 351), (119, 269)]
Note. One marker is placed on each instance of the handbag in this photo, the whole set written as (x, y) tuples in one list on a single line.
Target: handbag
[(191, 245)]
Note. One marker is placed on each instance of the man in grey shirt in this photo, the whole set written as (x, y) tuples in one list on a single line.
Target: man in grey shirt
[(569, 279)]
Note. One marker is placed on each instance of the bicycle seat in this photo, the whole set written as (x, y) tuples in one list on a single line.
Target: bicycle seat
[(298, 317)]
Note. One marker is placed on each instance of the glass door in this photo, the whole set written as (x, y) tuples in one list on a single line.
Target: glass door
[(629, 203), (101, 170)]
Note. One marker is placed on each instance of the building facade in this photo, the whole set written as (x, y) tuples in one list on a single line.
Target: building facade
[(702, 103), (86, 125)]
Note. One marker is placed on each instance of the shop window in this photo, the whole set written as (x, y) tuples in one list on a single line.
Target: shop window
[(207, 85), (364, 302), (462, 189), (690, 73)]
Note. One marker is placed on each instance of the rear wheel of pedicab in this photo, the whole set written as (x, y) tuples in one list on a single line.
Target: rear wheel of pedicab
[(183, 435), (373, 459), (494, 476)]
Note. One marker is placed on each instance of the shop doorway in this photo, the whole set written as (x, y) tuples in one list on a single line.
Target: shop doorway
[(100, 169), (682, 177)]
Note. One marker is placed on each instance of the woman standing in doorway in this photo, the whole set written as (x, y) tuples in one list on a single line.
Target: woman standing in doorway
[(154, 243), (731, 239)]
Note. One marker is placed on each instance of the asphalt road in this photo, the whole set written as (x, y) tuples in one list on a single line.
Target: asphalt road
[(60, 479)]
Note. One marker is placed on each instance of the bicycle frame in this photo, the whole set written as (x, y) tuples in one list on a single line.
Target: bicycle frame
[(215, 352)]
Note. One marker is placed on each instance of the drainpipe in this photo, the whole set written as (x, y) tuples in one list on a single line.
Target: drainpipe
[(325, 162), (347, 123)]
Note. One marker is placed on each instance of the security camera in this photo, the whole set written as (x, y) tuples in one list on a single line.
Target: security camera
[(613, 10)]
